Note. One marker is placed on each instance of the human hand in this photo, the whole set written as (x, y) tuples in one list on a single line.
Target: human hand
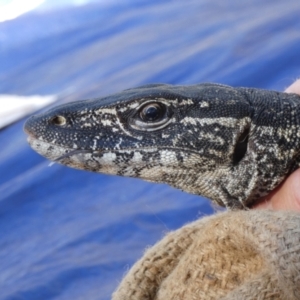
[(287, 195)]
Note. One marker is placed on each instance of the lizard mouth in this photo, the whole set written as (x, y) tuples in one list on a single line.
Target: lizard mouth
[(48, 149), (71, 153)]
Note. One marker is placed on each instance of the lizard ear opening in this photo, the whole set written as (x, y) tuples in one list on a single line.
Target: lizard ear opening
[(241, 147)]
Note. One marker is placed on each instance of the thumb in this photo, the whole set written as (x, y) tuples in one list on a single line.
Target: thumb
[(284, 197)]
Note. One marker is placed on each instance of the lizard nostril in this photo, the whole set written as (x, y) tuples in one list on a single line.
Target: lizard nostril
[(58, 120)]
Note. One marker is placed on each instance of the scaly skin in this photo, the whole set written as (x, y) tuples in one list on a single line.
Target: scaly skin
[(232, 145)]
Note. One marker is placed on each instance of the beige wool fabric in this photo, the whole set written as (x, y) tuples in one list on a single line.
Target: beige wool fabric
[(237, 255)]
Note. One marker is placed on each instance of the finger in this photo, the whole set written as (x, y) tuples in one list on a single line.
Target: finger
[(284, 197), (294, 88)]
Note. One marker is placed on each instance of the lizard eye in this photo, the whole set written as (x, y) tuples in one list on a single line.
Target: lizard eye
[(151, 116), (152, 112), (58, 120)]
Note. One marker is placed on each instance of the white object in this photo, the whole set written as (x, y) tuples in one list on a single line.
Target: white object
[(13, 107), (14, 8)]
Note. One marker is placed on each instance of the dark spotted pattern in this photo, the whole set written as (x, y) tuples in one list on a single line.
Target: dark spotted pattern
[(232, 145)]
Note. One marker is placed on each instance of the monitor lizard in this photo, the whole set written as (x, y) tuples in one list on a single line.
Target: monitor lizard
[(232, 145)]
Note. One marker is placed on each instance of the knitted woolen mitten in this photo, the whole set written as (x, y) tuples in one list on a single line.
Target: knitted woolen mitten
[(236, 255)]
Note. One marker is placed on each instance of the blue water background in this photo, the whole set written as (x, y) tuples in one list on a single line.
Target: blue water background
[(69, 234)]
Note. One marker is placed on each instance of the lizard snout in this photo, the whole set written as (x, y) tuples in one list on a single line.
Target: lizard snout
[(29, 127)]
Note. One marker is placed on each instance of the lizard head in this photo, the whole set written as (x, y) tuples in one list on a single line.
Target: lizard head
[(194, 138)]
